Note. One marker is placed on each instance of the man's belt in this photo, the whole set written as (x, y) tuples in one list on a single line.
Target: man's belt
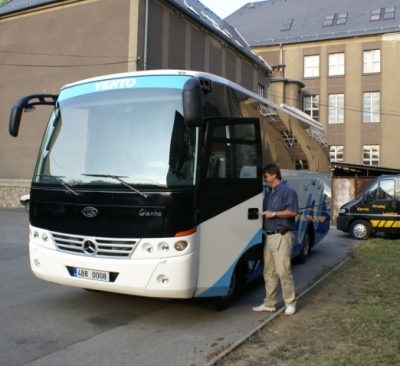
[(282, 231)]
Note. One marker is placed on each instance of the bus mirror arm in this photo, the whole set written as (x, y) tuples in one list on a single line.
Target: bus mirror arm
[(27, 104), (192, 105), (365, 197)]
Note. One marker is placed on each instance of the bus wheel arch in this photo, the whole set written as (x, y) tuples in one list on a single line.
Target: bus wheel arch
[(220, 303), (361, 229), (307, 244)]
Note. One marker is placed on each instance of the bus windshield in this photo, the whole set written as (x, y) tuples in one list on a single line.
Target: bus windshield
[(120, 137)]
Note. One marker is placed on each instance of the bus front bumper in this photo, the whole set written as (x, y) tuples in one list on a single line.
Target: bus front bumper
[(173, 277)]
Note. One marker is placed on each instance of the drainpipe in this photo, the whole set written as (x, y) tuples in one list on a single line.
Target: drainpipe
[(146, 26)]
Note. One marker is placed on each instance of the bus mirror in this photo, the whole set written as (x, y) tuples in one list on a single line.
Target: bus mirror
[(192, 106), (365, 197), (27, 104)]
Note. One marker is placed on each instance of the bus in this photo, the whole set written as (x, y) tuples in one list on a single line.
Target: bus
[(150, 184)]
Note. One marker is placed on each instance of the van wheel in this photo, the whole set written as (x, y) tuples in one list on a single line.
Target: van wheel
[(360, 230), (306, 248)]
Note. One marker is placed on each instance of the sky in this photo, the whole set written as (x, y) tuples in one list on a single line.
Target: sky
[(223, 8)]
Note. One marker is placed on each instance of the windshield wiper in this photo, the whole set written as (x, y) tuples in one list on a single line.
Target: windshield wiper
[(60, 181), (117, 177)]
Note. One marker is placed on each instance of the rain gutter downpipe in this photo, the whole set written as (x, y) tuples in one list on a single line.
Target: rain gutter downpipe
[(146, 31)]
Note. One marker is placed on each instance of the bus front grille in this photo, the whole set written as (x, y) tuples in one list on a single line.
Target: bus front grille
[(93, 246)]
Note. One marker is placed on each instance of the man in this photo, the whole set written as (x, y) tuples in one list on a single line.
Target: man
[(280, 209)]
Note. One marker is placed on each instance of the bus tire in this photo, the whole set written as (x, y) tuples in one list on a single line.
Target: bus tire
[(360, 230), (306, 247), (220, 303)]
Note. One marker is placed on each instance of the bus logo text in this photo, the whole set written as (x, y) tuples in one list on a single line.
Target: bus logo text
[(143, 212), (116, 84)]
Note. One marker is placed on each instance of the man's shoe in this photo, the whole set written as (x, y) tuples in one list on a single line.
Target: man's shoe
[(290, 310), (262, 307)]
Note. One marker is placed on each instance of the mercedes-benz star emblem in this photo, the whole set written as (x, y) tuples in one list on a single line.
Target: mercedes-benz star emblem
[(89, 247), (90, 212)]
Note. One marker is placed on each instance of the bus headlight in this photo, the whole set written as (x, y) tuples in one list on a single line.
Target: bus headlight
[(164, 247), (181, 245), (45, 237), (36, 235), (148, 248)]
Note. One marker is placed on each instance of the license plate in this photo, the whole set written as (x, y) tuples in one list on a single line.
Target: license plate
[(90, 274)]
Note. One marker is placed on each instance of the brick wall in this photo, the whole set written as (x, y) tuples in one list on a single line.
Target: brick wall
[(11, 190)]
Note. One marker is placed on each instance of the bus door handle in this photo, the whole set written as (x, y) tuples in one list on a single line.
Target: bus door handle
[(252, 214)]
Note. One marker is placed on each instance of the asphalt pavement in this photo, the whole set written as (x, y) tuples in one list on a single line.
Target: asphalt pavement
[(42, 323)]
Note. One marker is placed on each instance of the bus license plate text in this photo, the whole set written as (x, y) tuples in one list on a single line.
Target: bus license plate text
[(92, 275)]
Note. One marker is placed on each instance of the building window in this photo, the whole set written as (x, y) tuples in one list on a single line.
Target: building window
[(372, 61), (383, 13), (289, 139), (311, 106), (301, 165), (336, 153), (311, 66), (287, 23), (371, 106), (371, 154), (336, 108), (336, 64), (260, 90), (335, 19)]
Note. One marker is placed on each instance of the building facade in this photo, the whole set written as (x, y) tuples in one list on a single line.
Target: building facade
[(345, 52), (49, 43)]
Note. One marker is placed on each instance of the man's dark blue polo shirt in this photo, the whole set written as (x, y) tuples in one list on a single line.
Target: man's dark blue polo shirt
[(281, 198)]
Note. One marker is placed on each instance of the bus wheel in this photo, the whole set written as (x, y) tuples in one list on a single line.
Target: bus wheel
[(222, 302), (306, 248), (360, 230)]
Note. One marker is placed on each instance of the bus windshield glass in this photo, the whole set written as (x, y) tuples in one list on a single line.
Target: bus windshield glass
[(119, 133)]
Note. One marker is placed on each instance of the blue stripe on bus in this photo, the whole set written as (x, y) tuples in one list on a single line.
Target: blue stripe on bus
[(220, 288), (167, 81)]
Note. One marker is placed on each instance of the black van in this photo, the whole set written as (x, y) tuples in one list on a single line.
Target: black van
[(377, 209)]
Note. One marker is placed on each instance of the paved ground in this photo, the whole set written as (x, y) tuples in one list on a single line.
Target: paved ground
[(47, 324)]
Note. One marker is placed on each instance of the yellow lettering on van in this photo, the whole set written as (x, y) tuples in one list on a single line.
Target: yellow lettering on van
[(379, 206), (390, 213), (362, 209)]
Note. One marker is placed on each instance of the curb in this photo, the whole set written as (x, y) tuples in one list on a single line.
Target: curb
[(248, 335)]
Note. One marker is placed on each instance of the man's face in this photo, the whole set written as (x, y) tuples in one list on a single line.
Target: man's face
[(269, 179)]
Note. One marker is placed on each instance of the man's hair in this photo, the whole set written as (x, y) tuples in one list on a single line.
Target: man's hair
[(272, 168)]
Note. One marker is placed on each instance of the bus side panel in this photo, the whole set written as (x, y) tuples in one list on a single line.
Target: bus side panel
[(314, 194), (222, 240)]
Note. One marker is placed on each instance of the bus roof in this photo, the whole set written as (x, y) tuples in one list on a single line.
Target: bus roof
[(215, 78)]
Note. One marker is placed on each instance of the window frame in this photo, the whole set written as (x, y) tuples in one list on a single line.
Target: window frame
[(371, 159), (336, 108), (312, 66), (332, 62), (338, 149), (312, 103), (371, 62), (368, 109)]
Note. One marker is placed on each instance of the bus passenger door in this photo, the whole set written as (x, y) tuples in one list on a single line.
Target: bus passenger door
[(230, 198)]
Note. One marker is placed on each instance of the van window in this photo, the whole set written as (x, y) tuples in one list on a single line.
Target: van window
[(381, 190)]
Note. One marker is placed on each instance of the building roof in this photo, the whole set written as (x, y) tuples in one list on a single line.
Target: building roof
[(192, 8), (261, 23)]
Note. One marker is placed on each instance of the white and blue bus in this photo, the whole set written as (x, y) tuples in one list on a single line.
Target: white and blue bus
[(150, 184)]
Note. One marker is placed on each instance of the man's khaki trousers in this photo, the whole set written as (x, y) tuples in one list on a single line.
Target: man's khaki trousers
[(277, 266)]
